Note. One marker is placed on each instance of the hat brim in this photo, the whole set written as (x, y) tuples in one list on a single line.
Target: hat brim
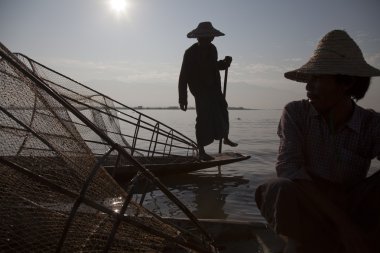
[(199, 34), (304, 73)]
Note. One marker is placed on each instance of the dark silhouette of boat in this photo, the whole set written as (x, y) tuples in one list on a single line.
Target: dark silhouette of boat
[(160, 148), (55, 194)]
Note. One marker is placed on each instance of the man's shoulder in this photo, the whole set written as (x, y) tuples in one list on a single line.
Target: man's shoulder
[(191, 52), (300, 106), (299, 111), (369, 114), (192, 48), (376, 115)]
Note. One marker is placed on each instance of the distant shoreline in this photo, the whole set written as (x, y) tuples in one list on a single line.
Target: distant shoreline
[(189, 108), (232, 108)]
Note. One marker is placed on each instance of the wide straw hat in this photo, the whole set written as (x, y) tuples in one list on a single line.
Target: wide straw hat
[(336, 54), (204, 29)]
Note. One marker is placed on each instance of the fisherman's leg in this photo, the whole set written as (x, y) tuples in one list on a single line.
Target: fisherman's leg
[(203, 155), (287, 211), (202, 129), (365, 209), (228, 142), (202, 141), (226, 124)]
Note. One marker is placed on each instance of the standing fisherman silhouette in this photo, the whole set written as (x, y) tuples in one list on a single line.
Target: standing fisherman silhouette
[(200, 71)]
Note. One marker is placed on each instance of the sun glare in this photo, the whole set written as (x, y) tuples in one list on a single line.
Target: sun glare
[(118, 6)]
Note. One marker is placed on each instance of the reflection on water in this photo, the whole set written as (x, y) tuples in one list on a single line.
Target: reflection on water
[(231, 195), (204, 194), (210, 192)]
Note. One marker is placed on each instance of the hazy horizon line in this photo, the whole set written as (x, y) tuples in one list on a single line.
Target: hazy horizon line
[(140, 107)]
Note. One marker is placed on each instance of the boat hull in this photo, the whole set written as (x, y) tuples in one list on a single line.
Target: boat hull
[(158, 168)]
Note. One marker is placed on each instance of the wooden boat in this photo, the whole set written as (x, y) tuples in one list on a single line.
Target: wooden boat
[(160, 148), (55, 195), (163, 166)]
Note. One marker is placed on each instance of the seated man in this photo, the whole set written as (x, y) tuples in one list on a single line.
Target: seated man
[(322, 199)]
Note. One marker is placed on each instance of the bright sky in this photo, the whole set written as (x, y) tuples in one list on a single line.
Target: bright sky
[(133, 51)]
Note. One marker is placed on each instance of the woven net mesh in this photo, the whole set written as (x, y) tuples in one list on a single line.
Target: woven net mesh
[(55, 194), (149, 140)]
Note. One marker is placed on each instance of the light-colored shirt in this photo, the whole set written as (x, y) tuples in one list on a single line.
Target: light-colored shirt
[(307, 146)]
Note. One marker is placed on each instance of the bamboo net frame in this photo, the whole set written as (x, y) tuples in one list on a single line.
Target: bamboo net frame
[(141, 135), (54, 192)]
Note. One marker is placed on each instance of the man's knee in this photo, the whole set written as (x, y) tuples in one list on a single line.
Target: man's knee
[(273, 189)]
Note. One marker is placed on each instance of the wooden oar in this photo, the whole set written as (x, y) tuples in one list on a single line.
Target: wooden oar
[(224, 94)]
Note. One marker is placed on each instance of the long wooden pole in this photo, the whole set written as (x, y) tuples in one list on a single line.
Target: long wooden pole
[(224, 94)]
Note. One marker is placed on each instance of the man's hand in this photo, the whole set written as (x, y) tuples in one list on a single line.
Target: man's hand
[(353, 240), (183, 106), (228, 60)]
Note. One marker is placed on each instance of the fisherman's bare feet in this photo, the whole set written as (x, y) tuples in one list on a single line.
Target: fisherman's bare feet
[(205, 157), (229, 142)]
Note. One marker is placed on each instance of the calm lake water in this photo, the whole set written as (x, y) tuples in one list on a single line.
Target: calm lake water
[(230, 195)]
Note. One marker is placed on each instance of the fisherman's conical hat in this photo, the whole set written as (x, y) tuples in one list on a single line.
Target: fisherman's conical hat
[(204, 29), (336, 53)]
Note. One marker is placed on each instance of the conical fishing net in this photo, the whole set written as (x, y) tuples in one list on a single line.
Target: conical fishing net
[(55, 194), (147, 139)]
